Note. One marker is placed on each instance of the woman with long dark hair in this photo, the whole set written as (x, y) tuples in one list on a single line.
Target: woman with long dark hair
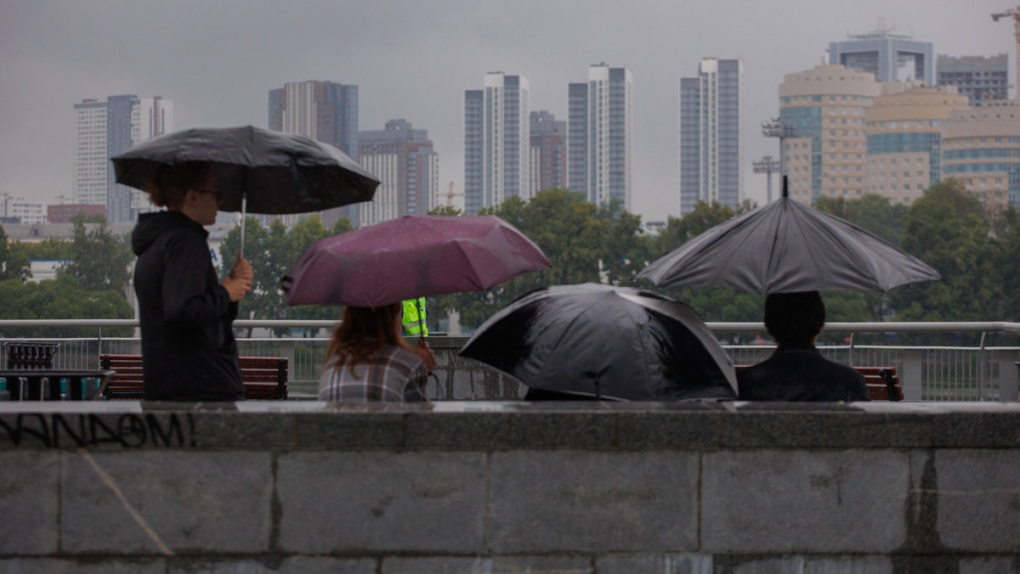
[(368, 360)]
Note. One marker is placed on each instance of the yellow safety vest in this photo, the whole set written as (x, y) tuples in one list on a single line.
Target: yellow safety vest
[(414, 317)]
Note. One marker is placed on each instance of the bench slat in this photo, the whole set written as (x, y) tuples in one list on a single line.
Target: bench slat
[(264, 378)]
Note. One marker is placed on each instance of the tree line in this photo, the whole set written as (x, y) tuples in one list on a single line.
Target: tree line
[(947, 228)]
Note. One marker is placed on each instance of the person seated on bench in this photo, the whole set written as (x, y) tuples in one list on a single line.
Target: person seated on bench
[(796, 371), (188, 347), (368, 360)]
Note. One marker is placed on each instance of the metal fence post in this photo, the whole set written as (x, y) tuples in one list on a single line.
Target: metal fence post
[(911, 377), (1009, 377), (287, 352)]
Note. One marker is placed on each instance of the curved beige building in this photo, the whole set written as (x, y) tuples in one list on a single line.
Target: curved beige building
[(981, 148), (826, 106), (904, 132)]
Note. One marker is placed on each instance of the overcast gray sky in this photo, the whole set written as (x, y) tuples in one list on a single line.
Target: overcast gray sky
[(413, 59)]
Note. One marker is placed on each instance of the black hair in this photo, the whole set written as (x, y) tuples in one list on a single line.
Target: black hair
[(794, 318)]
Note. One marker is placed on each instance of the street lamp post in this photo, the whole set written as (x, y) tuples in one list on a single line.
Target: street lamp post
[(767, 165), (779, 129)]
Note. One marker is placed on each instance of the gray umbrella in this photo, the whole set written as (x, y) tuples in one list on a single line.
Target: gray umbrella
[(787, 247), (272, 172), (600, 341)]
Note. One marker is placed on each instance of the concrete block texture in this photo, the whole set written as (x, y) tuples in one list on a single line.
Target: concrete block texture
[(771, 501), (83, 566), (654, 564), (763, 564), (378, 501), (979, 500), (990, 565), (584, 501), (496, 565), (291, 565), (148, 502), (29, 487)]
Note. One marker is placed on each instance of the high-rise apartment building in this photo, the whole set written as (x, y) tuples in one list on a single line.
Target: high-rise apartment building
[(904, 140), (496, 142), (599, 126), (401, 158), (323, 111), (105, 129), (982, 79), (981, 148), (826, 106), (882, 54), (711, 146), (548, 151)]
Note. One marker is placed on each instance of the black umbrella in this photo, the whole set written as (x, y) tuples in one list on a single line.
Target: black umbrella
[(787, 247), (259, 170), (601, 341)]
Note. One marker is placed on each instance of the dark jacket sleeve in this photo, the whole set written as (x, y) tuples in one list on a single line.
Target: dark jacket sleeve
[(858, 389), (191, 297)]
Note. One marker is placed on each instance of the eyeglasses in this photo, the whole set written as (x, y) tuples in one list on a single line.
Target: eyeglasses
[(218, 193)]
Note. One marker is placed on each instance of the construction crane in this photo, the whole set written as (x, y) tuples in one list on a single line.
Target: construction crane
[(450, 195), (1013, 13)]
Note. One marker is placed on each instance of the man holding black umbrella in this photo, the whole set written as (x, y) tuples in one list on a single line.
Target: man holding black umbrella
[(188, 348)]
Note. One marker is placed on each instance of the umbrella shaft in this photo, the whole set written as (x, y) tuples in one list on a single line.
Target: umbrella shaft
[(244, 208)]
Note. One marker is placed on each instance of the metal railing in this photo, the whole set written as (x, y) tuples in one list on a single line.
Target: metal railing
[(976, 371)]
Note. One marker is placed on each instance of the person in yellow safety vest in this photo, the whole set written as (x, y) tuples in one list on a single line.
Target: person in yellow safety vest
[(415, 317)]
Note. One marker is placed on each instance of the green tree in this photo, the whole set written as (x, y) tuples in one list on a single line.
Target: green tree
[(272, 252), (948, 229), (445, 210), (1008, 234), (62, 298), (579, 240), (49, 249), (872, 212), (680, 230), (626, 249), (99, 259), (14, 264)]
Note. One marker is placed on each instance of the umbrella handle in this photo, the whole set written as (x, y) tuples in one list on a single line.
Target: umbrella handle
[(244, 209)]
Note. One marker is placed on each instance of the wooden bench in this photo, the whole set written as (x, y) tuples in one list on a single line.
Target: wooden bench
[(883, 382), (265, 378)]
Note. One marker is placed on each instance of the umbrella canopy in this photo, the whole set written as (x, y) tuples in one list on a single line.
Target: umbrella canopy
[(408, 257), (596, 340), (276, 173), (787, 247)]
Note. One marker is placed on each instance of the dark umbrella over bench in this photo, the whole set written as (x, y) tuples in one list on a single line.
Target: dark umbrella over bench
[(600, 341), (787, 247)]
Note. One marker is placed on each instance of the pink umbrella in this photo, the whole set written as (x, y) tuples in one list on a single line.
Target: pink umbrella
[(413, 256)]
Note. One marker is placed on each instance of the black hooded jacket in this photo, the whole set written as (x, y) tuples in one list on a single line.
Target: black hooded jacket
[(800, 374), (188, 348)]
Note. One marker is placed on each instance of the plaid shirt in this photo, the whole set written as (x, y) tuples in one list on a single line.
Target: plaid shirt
[(393, 374)]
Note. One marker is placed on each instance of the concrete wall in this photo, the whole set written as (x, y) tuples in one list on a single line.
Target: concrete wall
[(489, 487)]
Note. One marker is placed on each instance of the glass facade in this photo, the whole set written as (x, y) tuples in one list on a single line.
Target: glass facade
[(807, 122), (711, 147)]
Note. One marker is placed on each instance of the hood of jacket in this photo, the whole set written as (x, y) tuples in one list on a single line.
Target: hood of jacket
[(152, 225)]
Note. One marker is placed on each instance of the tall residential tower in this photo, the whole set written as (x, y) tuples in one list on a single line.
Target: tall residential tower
[(497, 142), (401, 158), (548, 151), (599, 126), (323, 111), (711, 146), (105, 129)]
